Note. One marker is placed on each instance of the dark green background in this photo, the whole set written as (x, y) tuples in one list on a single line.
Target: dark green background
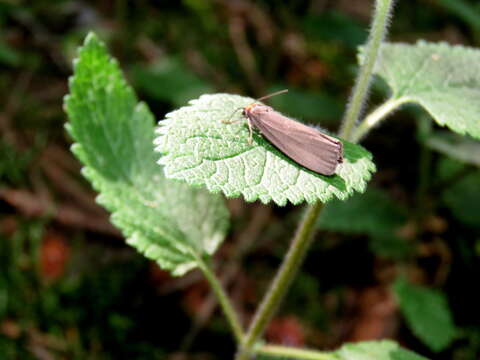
[(69, 286)]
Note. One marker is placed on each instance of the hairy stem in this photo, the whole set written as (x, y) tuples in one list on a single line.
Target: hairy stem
[(304, 235), (282, 281), (376, 116), (378, 29), (224, 302)]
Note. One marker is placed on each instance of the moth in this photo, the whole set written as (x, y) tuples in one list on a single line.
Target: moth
[(303, 144)]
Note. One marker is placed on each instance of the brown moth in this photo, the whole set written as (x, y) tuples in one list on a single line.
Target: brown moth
[(303, 144)]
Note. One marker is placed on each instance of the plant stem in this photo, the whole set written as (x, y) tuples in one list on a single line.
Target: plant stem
[(376, 116), (383, 9), (282, 281), (304, 235), (224, 302), (293, 353)]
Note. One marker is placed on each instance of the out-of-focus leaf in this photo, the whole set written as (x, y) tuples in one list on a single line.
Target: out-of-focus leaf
[(443, 79), (169, 80), (427, 314), (457, 147), (372, 212), (464, 10), (463, 199), (335, 26), (389, 245), (307, 105), (202, 150), (8, 56), (170, 222)]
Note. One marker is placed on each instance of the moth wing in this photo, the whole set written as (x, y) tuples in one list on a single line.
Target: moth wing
[(307, 146)]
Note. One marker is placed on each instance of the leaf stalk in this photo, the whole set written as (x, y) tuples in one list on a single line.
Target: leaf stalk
[(224, 302), (383, 9), (282, 280)]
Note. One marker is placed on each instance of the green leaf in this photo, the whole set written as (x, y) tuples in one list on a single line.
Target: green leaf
[(443, 79), (427, 314), (373, 212), (168, 221), (314, 106), (463, 199), (375, 350), (202, 150), (169, 80), (333, 26), (455, 146), (468, 13)]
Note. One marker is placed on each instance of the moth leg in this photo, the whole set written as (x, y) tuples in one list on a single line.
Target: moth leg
[(250, 132)]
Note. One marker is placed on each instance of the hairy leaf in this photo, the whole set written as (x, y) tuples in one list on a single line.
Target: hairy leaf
[(427, 314), (168, 221), (202, 150), (375, 350), (443, 79)]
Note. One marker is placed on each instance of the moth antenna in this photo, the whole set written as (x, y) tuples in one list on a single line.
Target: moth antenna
[(272, 95), (230, 117)]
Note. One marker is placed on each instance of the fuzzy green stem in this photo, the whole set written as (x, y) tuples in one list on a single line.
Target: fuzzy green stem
[(304, 235), (282, 281), (224, 302), (293, 353), (383, 9), (376, 116)]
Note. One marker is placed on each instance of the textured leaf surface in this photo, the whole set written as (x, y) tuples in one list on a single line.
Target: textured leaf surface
[(427, 314), (168, 221), (200, 149), (376, 350), (443, 79)]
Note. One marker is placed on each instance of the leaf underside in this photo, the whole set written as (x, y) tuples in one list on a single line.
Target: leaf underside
[(443, 79), (168, 221), (198, 147)]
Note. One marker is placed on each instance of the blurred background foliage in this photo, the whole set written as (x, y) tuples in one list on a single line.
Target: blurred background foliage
[(71, 289)]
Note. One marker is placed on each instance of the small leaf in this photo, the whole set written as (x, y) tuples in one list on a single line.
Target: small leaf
[(168, 221), (201, 150), (375, 350), (443, 79), (427, 314), (455, 146)]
